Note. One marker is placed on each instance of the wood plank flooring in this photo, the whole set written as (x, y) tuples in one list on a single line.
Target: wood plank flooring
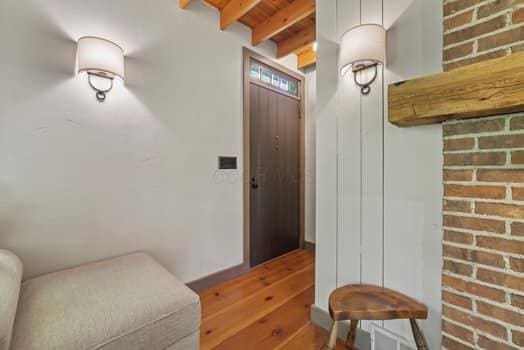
[(267, 308)]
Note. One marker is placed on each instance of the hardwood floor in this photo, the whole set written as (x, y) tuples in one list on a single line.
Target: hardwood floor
[(267, 308)]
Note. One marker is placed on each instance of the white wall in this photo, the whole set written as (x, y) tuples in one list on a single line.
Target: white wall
[(81, 180), (378, 186)]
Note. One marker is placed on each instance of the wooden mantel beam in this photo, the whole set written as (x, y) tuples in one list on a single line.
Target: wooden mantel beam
[(234, 10), (487, 88), (303, 38), (283, 19), (183, 3)]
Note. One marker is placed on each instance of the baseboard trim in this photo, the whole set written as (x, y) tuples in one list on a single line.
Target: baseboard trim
[(217, 278), (321, 318), (309, 245)]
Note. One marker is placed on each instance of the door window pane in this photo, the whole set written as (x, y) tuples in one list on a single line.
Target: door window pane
[(255, 70), (266, 76)]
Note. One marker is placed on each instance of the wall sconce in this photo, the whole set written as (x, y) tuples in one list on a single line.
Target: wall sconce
[(362, 48), (103, 61)]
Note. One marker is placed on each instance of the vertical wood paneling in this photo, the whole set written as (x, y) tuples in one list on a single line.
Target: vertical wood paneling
[(349, 145), (388, 183), (372, 11), (372, 168), (413, 169), (326, 208)]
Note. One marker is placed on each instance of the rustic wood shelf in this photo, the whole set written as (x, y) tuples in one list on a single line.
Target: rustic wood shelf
[(487, 88)]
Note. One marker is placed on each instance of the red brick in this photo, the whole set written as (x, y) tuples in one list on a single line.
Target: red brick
[(501, 244), (494, 7), (517, 157), (517, 123), (474, 31), (499, 313), (457, 52), (517, 229), (474, 256), (486, 343), (500, 209), (474, 288), (457, 206), (517, 48), (462, 144), (517, 338), (508, 176), (459, 5), (517, 193), (457, 331), (489, 225), (500, 39), (472, 60), (489, 327), (450, 251), (450, 344), (458, 20), (518, 16), (517, 300), (458, 175), (458, 237), (481, 158), (517, 265), (501, 279), (473, 127), (501, 141), (485, 258), (458, 300), (458, 268), (485, 192)]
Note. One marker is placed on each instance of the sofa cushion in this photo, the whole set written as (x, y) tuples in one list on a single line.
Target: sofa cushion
[(10, 278), (130, 302)]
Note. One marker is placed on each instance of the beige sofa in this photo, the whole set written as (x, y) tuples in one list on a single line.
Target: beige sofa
[(129, 302)]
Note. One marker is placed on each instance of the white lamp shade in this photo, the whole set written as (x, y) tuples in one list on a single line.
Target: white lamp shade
[(100, 56), (362, 44)]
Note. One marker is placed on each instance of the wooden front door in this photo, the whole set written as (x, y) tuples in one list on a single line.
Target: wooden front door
[(274, 170)]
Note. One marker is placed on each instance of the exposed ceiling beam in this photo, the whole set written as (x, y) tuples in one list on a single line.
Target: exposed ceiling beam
[(283, 19), (234, 10), (303, 38), (183, 3), (307, 58)]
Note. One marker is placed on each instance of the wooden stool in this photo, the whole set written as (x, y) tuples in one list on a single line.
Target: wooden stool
[(365, 302)]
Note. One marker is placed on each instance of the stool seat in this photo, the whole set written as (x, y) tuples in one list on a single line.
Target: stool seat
[(367, 302), (356, 302)]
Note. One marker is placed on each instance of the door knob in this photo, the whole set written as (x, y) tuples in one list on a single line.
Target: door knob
[(254, 183)]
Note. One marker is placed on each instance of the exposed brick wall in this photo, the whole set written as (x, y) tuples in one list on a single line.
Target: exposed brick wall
[(476, 30), (483, 268)]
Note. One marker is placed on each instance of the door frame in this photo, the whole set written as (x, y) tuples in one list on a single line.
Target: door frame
[(248, 55)]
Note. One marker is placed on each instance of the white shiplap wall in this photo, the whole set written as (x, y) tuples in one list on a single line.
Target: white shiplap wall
[(378, 186)]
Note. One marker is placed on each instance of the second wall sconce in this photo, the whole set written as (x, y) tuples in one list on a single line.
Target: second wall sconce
[(103, 61), (361, 48)]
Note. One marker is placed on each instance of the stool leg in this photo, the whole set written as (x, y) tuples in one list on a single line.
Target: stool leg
[(352, 334), (332, 343), (417, 334)]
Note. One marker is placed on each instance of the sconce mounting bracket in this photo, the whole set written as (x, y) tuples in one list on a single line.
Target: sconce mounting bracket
[(100, 93), (359, 67)]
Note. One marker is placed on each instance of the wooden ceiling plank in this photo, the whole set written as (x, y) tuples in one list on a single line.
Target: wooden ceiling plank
[(234, 10), (183, 3), (303, 38), (285, 18), (492, 87), (306, 59)]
